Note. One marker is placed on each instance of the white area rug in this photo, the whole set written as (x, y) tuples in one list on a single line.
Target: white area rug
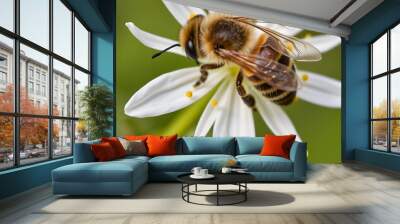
[(166, 198)]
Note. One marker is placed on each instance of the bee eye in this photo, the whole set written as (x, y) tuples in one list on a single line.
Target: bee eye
[(191, 49)]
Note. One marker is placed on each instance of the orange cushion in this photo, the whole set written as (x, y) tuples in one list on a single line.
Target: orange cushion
[(161, 145), (277, 145), (103, 152), (135, 137), (116, 145)]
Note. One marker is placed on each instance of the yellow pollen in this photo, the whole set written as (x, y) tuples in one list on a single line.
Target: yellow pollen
[(191, 15), (189, 94), (214, 103), (289, 47), (305, 77)]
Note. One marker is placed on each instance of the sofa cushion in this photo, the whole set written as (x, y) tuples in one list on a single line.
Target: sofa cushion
[(116, 145), (257, 163), (277, 145), (185, 163), (103, 152), (161, 145), (249, 145), (206, 145), (112, 171)]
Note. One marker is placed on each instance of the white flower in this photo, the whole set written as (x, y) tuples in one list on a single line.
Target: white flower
[(225, 112)]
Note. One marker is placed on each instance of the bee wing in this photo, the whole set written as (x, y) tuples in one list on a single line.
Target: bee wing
[(274, 73), (289, 46)]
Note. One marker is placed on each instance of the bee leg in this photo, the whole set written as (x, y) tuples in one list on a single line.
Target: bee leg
[(204, 73), (247, 98)]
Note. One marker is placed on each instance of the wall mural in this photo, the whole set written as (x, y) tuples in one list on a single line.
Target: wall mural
[(248, 78)]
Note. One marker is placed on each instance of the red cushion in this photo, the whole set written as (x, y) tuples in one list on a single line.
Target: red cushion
[(161, 145), (103, 152), (277, 145), (116, 145), (135, 137)]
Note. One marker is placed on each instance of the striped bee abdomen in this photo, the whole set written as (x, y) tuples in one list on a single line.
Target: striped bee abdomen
[(278, 96)]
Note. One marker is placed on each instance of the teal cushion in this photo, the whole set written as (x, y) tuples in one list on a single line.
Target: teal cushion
[(83, 152), (206, 145), (257, 163), (185, 163), (249, 145), (111, 171)]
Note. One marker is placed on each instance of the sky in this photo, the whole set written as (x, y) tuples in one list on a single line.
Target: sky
[(34, 26)]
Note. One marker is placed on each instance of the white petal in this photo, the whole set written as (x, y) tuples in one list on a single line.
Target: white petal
[(166, 93), (154, 41), (274, 116), (286, 30), (324, 43), (182, 12), (234, 118), (320, 90), (209, 114)]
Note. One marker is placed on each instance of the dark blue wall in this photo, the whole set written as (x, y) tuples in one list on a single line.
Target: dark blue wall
[(99, 15), (355, 56)]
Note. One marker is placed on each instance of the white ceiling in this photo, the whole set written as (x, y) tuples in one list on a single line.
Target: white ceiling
[(320, 9), (325, 16)]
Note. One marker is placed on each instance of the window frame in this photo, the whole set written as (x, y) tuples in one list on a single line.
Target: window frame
[(388, 74), (16, 115)]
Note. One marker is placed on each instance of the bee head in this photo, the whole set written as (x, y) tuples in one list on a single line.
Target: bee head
[(189, 36)]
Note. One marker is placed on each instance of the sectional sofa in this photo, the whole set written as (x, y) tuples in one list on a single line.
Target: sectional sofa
[(125, 176)]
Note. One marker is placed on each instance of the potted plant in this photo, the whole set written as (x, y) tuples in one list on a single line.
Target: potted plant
[(96, 102)]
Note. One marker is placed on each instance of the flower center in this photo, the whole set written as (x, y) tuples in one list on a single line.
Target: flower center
[(214, 103), (305, 77), (189, 94)]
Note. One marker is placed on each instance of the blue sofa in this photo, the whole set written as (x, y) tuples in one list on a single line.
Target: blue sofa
[(125, 176)]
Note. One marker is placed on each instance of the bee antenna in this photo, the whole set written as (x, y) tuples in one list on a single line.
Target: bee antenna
[(163, 51)]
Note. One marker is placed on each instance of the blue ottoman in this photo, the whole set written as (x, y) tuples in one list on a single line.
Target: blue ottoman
[(118, 177)]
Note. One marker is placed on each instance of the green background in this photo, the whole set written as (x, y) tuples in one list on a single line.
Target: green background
[(318, 126)]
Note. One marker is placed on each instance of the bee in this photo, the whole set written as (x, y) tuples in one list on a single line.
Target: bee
[(265, 57)]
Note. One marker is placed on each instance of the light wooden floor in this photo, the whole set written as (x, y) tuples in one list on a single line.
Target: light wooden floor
[(379, 189)]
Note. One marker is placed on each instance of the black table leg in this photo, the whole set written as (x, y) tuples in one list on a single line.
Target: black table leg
[(195, 188), (245, 193), (217, 194)]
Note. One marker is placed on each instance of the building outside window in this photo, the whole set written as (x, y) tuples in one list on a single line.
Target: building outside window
[(58, 126), (385, 94)]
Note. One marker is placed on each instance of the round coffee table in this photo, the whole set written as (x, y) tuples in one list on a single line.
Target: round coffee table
[(238, 179)]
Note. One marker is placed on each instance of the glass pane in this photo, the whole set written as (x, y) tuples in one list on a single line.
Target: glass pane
[(34, 97), (379, 97), (33, 139), (81, 81), (395, 136), (62, 138), (395, 47), (379, 55), (35, 21), (6, 142), (62, 89), (379, 135), (6, 74), (81, 45), (7, 14), (81, 131), (62, 29), (395, 94)]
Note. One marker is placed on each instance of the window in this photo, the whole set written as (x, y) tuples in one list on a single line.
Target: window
[(30, 88), (385, 92), (42, 123)]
